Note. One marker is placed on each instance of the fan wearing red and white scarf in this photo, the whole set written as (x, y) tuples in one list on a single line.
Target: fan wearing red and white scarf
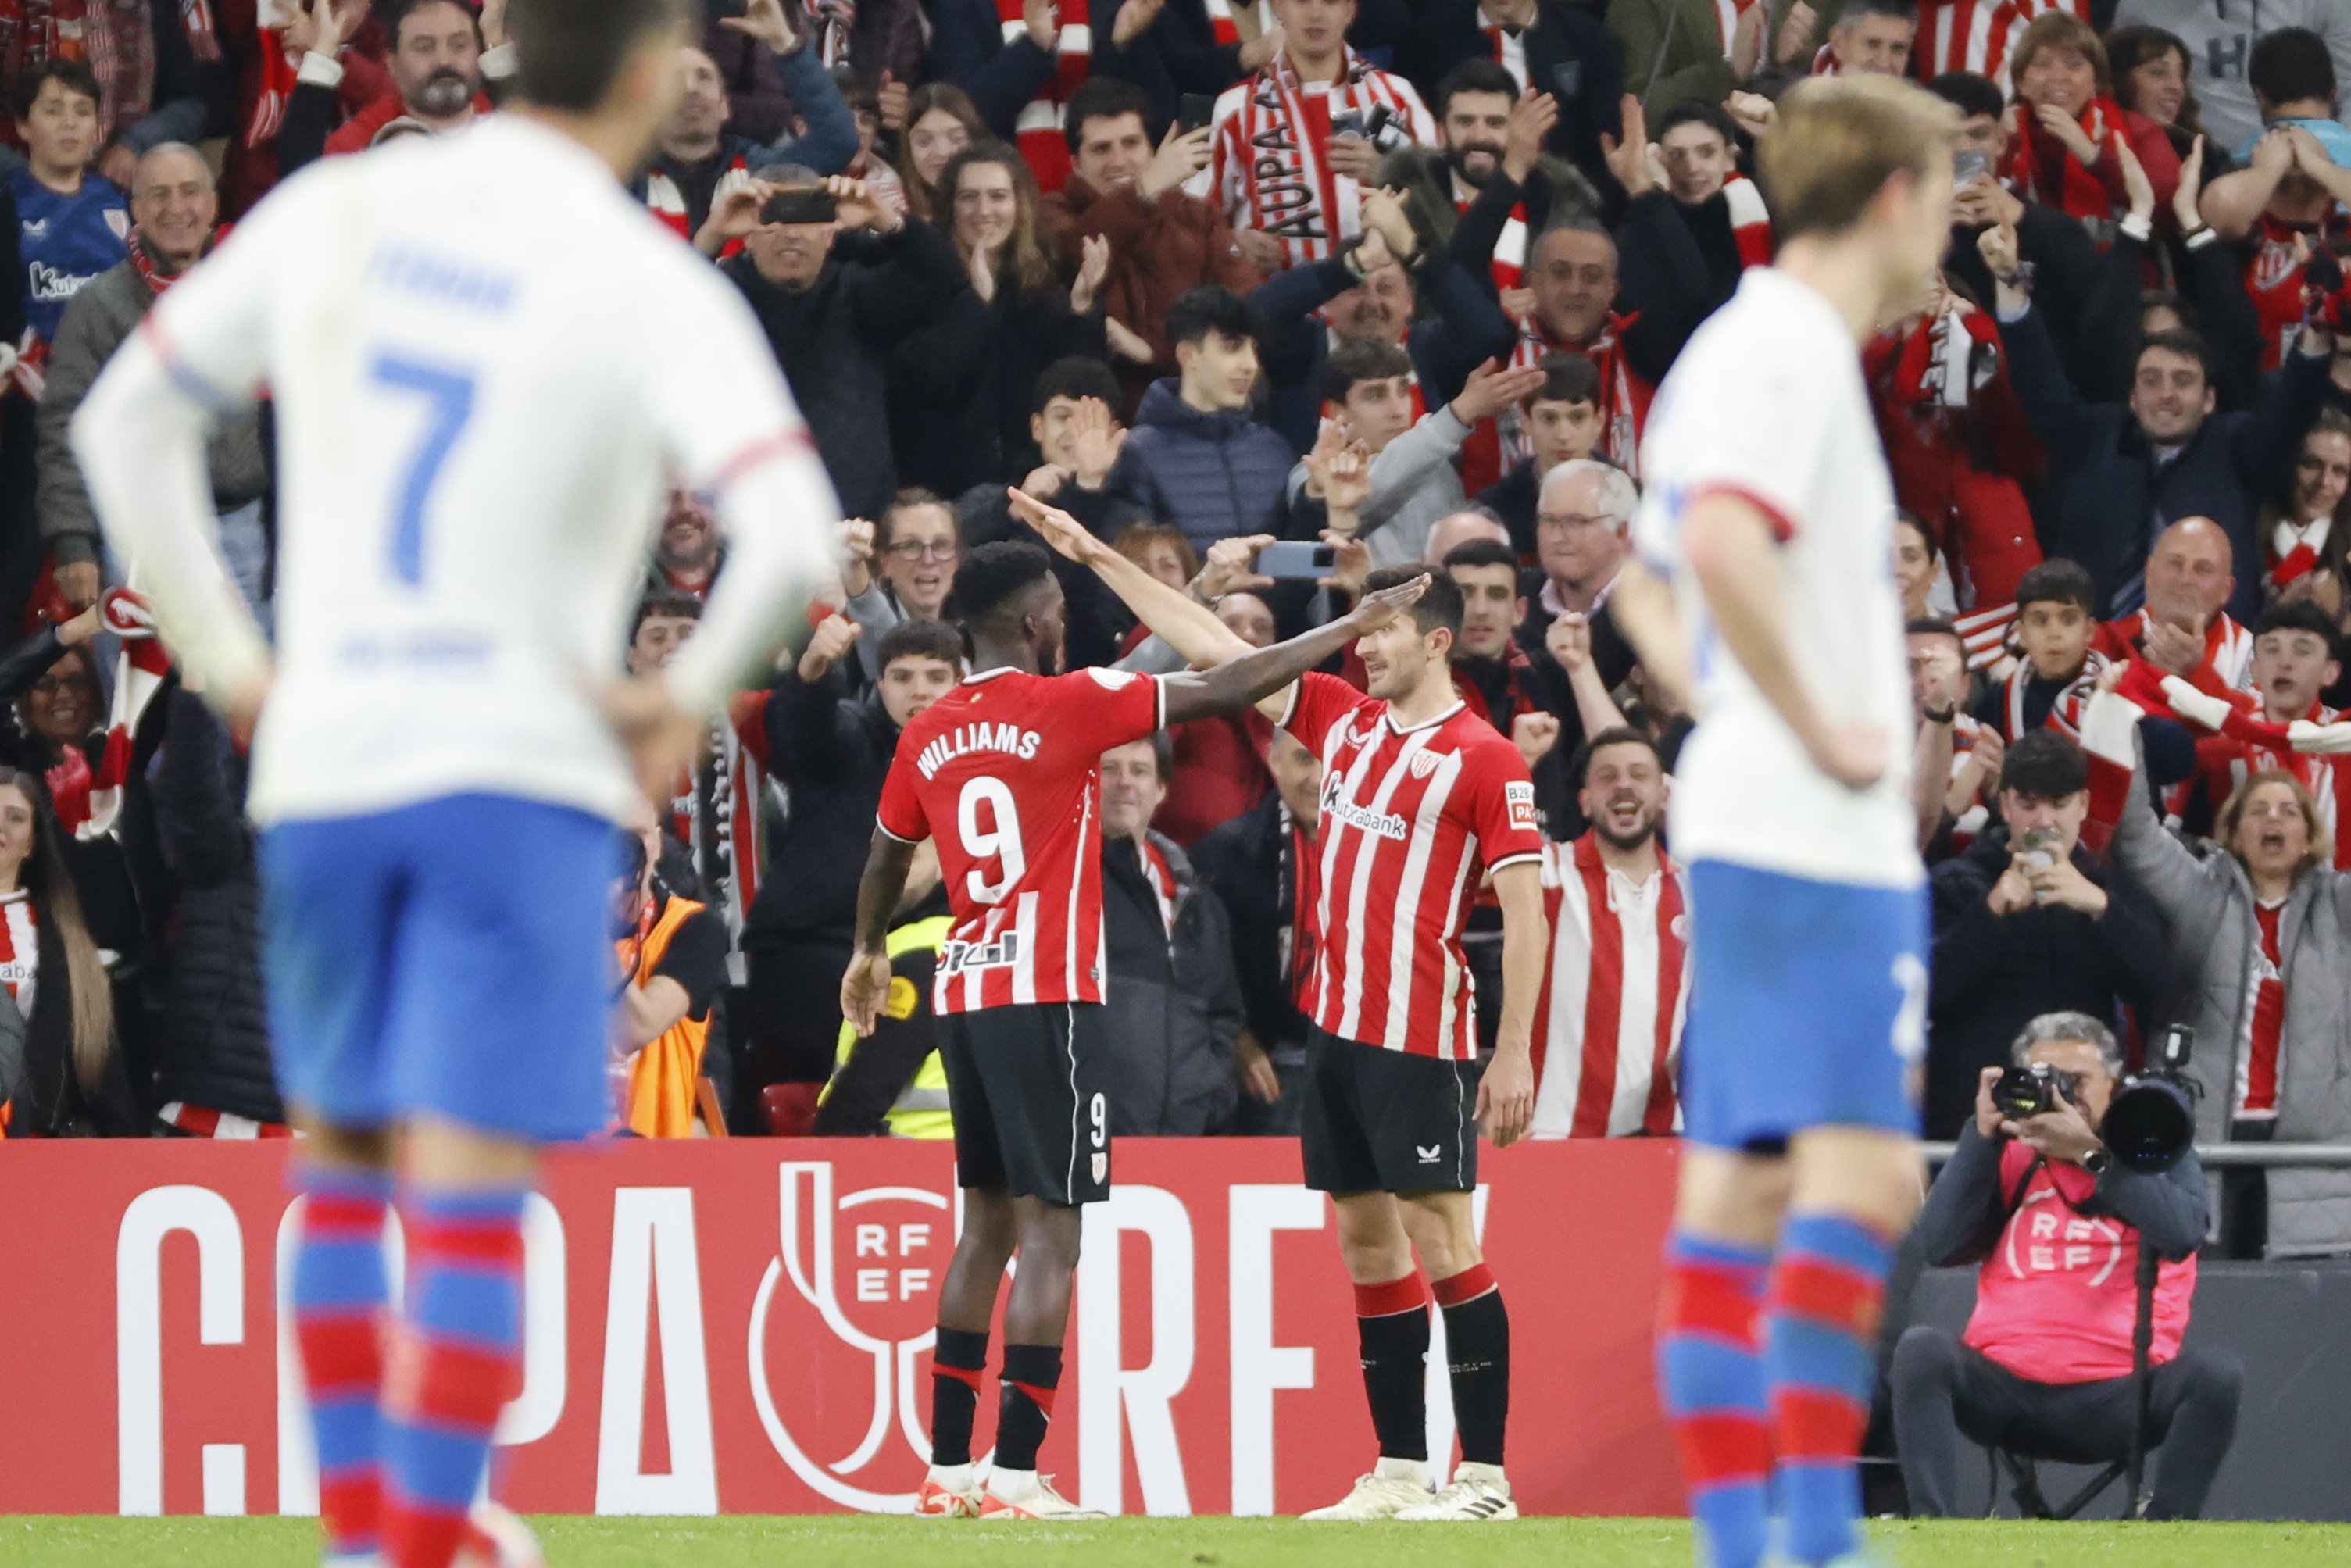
[(1625, 395), (2294, 664), (2041, 166), (1269, 167), (2226, 669)]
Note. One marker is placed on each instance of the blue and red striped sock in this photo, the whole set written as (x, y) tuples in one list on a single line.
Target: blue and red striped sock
[(1710, 1372), (453, 1365), (1828, 1287), (339, 1295)]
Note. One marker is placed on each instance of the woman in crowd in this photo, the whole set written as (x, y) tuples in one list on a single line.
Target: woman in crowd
[(72, 1080), (51, 678), (2261, 942), (1917, 562), (2151, 70), (962, 386), (2065, 122), (941, 122), (2305, 541)]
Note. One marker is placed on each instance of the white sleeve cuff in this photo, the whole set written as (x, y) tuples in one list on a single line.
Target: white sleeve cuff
[(320, 71), (500, 63), (2136, 227)]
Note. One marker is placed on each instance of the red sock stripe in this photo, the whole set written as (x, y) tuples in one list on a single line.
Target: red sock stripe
[(1467, 1286), (1039, 1395), (340, 1354), (1714, 1303), (417, 1536), (349, 1218), (352, 1510), (1409, 1294), (1722, 1446), (493, 1244), (448, 1385), (964, 1375), (1810, 1287), (1813, 1424)]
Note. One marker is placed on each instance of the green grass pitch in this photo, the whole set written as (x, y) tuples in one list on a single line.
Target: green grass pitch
[(858, 1542)]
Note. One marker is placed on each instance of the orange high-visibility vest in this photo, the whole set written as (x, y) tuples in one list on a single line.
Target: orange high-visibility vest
[(662, 1073)]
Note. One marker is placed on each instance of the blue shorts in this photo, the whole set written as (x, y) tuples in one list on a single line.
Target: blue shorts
[(1808, 1006), (450, 958)]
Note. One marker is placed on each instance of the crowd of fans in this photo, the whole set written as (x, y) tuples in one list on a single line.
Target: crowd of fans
[(1395, 278)]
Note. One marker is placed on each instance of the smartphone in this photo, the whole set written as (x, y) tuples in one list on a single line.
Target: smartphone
[(1296, 559), (1348, 122), (1194, 110), (805, 205), (2039, 846), (1967, 165)]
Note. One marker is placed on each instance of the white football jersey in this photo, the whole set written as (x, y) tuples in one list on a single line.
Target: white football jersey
[(486, 363), (1767, 403)]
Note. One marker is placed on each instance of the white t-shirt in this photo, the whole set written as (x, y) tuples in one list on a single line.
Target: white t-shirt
[(1767, 403), (486, 360), (2221, 36)]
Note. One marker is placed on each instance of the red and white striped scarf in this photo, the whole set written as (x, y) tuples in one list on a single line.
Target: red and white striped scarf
[(138, 676), (1727, 15), (1977, 35), (1267, 167), (1038, 128), (1605, 1027), (279, 73), (1751, 220), (715, 814), (2228, 664), (204, 1121), (20, 949), (2293, 549), (1510, 262), (2065, 713)]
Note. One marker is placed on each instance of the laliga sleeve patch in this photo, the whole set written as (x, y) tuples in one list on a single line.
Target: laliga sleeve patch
[(1114, 679), (900, 1003), (1521, 798)]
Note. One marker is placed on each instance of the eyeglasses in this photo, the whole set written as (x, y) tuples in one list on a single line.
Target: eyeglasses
[(55, 686), (918, 549), (1573, 520)]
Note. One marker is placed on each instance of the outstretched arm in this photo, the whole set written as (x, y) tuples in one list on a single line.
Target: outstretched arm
[(1256, 675), (866, 985), (1190, 628)]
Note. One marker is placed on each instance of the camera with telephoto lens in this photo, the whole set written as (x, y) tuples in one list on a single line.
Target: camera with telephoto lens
[(2023, 1093), (2151, 1119)]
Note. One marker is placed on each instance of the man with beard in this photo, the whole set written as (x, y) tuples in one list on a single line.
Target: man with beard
[(173, 210), (1608, 1024), (836, 296), (1491, 134), (689, 552), (442, 58)]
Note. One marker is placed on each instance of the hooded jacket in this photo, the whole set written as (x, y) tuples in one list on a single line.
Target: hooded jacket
[(1211, 474)]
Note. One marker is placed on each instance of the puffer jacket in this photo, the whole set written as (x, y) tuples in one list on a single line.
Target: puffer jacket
[(1211, 474), (214, 1015), (2208, 901), (1172, 1006)]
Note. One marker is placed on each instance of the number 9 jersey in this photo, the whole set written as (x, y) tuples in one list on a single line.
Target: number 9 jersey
[(1005, 774)]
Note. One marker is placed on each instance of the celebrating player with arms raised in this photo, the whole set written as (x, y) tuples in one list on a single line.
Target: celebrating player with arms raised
[(1004, 772), (473, 430), (1769, 508), (1419, 799)]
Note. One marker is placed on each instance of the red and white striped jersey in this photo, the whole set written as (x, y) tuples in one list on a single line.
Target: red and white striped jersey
[(1037, 128), (1510, 262), (20, 949), (1608, 1021), (1266, 165), (1409, 815), (1977, 35), (1004, 774)]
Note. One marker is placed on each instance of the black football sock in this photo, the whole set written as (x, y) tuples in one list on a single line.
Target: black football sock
[(1392, 1322), (1478, 1354), (1031, 1372), (956, 1363)]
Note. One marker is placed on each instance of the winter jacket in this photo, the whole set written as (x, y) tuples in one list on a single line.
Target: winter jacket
[(832, 752), (1172, 1007), (1251, 862), (2207, 901), (1413, 484), (961, 387), (2110, 496), (1211, 474), (106, 311), (1993, 974), (835, 340), (1570, 54), (1158, 250), (214, 1019)]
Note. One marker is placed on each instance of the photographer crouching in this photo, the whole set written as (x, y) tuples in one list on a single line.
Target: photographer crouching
[(2044, 1370)]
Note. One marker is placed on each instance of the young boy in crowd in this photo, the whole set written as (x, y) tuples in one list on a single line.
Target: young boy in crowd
[(1557, 423), (2057, 620)]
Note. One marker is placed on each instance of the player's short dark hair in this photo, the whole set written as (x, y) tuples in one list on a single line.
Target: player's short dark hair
[(1481, 552), (1969, 93), (993, 575), (2045, 765), (570, 53), (1103, 98), (920, 639), (2290, 65), (1077, 376), (664, 603), (1930, 626), (1440, 605), (2188, 345), (1361, 359), (1163, 754), (1200, 311), (1579, 767), (2058, 581), (911, 497), (1567, 378), (2299, 615), (1476, 74), (71, 75), (1698, 112)]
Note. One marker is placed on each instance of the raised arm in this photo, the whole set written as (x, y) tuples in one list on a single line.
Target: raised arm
[(1190, 628), (1261, 673)]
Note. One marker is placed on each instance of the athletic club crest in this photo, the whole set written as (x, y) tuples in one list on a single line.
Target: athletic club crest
[(1424, 763)]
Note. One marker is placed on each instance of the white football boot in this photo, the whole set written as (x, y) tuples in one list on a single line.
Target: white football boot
[(1478, 1492), (1391, 1487)]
